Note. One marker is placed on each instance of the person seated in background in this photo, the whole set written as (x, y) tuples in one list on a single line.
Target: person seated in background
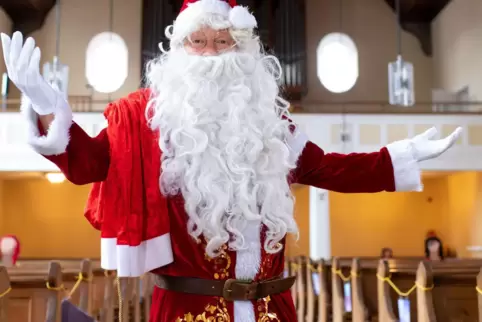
[(386, 253), (434, 249)]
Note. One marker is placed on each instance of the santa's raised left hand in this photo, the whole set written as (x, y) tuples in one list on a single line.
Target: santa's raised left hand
[(424, 147)]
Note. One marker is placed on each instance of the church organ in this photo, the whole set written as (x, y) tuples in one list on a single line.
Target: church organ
[(281, 27)]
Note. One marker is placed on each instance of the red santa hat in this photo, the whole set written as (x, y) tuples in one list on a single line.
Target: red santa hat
[(431, 233), (194, 10), (9, 248)]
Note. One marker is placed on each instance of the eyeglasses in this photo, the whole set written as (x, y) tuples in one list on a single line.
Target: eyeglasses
[(199, 41)]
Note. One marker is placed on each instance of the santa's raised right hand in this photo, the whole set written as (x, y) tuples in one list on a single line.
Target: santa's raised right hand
[(22, 62)]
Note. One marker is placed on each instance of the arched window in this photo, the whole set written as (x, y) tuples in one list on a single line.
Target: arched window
[(337, 62), (107, 60)]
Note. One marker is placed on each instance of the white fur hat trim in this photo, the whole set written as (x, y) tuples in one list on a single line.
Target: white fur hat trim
[(241, 18), (238, 16)]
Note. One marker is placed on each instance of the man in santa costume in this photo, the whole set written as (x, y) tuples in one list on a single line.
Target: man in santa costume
[(192, 175)]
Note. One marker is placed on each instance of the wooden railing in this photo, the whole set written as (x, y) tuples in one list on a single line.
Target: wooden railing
[(382, 107), (78, 104), (85, 104)]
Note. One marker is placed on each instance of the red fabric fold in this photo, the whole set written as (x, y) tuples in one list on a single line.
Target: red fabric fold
[(128, 204)]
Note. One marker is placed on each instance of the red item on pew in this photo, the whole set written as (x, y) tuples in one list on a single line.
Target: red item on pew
[(9, 250), (431, 233)]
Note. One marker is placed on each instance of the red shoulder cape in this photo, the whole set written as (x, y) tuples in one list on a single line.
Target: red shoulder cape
[(128, 207)]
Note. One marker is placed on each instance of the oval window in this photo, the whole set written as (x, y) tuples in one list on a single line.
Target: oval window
[(337, 62), (107, 62)]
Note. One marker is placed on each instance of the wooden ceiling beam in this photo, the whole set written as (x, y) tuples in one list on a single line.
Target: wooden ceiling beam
[(416, 18), (27, 15)]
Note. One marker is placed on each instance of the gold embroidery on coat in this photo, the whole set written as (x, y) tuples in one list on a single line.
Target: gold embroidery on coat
[(264, 314), (219, 311), (222, 263), (212, 313), (262, 304)]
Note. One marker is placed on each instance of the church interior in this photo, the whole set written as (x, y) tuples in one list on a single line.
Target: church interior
[(360, 256)]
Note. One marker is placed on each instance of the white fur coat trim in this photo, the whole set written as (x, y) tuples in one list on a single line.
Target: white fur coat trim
[(248, 262), (406, 170), (57, 138), (133, 261)]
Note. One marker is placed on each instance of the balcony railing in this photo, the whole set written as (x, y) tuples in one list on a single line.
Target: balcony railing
[(85, 104), (381, 107)]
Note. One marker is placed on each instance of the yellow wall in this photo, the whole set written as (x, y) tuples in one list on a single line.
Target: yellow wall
[(48, 219), (361, 224), (464, 211), (301, 246)]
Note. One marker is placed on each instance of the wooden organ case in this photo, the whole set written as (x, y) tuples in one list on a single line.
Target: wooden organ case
[(281, 27)]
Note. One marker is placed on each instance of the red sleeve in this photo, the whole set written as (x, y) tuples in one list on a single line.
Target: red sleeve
[(86, 159), (355, 172)]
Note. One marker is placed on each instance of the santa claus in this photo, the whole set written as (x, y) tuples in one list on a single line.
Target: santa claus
[(9, 250), (192, 175)]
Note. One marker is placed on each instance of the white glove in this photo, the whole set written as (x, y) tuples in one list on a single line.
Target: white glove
[(424, 148), (23, 69)]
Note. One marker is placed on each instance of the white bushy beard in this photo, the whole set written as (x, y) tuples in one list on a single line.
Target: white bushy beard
[(224, 145)]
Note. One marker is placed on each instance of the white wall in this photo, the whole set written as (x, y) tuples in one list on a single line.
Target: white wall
[(368, 133)]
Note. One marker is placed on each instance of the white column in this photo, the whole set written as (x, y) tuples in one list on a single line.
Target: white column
[(320, 243)]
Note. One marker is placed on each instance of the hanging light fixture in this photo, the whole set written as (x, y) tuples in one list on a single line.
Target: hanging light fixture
[(107, 61), (56, 73), (337, 59), (400, 73)]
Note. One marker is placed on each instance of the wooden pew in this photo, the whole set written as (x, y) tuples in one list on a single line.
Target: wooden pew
[(37, 292), (479, 293), (92, 289), (294, 269), (319, 305), (311, 298), (387, 279), (331, 305), (55, 288), (298, 267), (147, 282), (364, 281), (454, 294), (377, 285), (360, 312), (4, 293), (439, 291), (107, 313), (302, 263), (85, 287)]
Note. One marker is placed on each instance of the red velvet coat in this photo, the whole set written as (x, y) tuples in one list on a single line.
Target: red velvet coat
[(143, 231)]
